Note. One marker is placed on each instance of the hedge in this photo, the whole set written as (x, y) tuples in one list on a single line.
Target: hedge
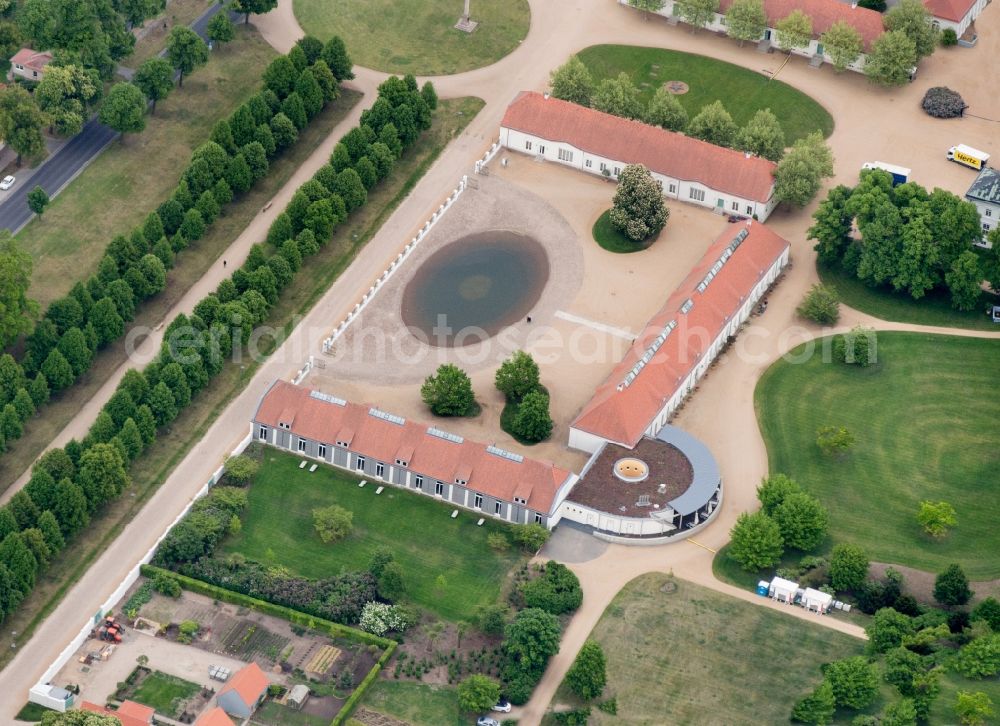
[(148, 400), (140, 259), (297, 618)]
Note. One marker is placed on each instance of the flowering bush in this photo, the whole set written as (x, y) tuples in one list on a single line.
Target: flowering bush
[(379, 618)]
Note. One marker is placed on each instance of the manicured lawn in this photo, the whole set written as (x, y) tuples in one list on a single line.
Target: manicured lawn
[(925, 418), (278, 528), (163, 693), (882, 302), (154, 39), (274, 714), (32, 712), (610, 238), (128, 180), (416, 703), (742, 91), (694, 656), (172, 445), (417, 36)]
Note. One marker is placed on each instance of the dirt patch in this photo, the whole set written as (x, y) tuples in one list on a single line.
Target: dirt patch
[(436, 653), (372, 718), (920, 584)]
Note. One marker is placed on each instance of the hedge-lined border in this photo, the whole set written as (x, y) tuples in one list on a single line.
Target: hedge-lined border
[(296, 617)]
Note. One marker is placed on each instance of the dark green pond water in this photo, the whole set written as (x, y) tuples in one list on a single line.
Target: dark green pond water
[(474, 287)]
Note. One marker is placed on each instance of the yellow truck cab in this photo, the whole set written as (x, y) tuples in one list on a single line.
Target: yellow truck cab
[(967, 156)]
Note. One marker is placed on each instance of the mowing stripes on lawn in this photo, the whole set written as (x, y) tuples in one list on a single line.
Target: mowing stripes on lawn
[(742, 92), (926, 424), (427, 543)]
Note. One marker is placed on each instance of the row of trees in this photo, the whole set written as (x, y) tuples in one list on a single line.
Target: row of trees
[(909, 34), (910, 239), (94, 313), (78, 479), (800, 170)]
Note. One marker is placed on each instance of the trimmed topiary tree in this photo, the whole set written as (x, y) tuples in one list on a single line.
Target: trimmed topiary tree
[(942, 102)]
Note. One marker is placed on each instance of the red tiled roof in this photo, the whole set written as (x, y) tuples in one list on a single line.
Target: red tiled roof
[(824, 13), (215, 717), (536, 482), (249, 682), (33, 59), (123, 713), (954, 10), (623, 415), (633, 142)]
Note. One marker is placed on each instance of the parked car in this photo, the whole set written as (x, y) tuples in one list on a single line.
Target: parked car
[(487, 721), (7, 183), (503, 706)]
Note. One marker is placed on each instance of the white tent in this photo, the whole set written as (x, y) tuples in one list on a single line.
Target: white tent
[(816, 600), (783, 590)]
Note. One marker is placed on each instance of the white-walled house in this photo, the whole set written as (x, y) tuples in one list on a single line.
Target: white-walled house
[(691, 170), (676, 347), (985, 194), (824, 13), (391, 450), (955, 14)]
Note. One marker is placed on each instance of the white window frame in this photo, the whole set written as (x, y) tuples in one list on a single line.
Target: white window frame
[(262, 433), (302, 445), (527, 145), (588, 163), (439, 488), (418, 482), (477, 501), (538, 518), (497, 508), (565, 155), (380, 470), (696, 194), (359, 463), (321, 451)]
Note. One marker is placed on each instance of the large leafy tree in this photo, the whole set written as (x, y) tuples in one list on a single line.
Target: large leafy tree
[(65, 94), (762, 136), (572, 82), (255, 7), (477, 693), (843, 43), (848, 567), (746, 20), (801, 171), (186, 51), (588, 674), (155, 78), (220, 28), (618, 96), (963, 280), (854, 681), (794, 30), (16, 310), (648, 6), (816, 708), (638, 209), (666, 111), (533, 421), (912, 18), (21, 123), (697, 13), (102, 474), (531, 639), (891, 59), (951, 587), (517, 376), (832, 226), (124, 109), (803, 520), (756, 541), (449, 392), (714, 125)]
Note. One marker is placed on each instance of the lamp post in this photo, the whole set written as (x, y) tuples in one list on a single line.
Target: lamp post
[(465, 23)]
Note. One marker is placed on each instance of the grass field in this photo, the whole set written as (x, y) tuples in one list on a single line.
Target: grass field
[(925, 418), (741, 91), (278, 529), (274, 714), (882, 302), (416, 703), (163, 693), (417, 36), (610, 238), (694, 656), (189, 268), (173, 444), (154, 34), (128, 180)]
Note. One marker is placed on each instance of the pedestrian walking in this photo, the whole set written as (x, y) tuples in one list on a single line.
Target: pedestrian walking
[(223, 264)]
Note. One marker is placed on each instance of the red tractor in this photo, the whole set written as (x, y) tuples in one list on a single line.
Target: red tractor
[(111, 630)]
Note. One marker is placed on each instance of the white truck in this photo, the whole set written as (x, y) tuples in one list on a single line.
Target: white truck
[(900, 174), (967, 156)]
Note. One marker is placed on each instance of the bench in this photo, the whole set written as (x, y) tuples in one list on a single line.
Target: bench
[(379, 490), (312, 468), (454, 513), (362, 482), (303, 464), (480, 522)]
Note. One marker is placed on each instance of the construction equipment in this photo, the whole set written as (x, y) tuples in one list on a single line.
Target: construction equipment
[(111, 630)]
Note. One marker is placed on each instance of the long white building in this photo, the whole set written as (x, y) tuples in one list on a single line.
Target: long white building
[(691, 170)]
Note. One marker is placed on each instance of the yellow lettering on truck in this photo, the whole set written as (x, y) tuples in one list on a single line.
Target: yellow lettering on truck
[(968, 160)]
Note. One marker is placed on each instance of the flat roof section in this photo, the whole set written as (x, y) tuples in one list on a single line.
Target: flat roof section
[(706, 476), (600, 488)]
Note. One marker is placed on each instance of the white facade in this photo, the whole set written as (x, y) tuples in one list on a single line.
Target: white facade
[(718, 24), (962, 25), (648, 526), (989, 218), (585, 441), (680, 189), (783, 590)]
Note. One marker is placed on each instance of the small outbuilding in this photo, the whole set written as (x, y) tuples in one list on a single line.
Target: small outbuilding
[(29, 64), (298, 696), (817, 600), (783, 590)]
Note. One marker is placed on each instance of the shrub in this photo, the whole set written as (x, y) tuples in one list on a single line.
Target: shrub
[(332, 523), (980, 658), (942, 102), (854, 682), (166, 585), (478, 693), (531, 536), (821, 305), (498, 541), (588, 674), (380, 618), (816, 708), (188, 629), (856, 347), (949, 37), (848, 566), (834, 440), (557, 591), (241, 469), (951, 587), (936, 518)]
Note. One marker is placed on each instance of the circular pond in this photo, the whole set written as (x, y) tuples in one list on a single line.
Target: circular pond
[(472, 288)]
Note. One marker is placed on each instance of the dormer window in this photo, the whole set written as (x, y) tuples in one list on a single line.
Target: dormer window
[(461, 482), (400, 462)]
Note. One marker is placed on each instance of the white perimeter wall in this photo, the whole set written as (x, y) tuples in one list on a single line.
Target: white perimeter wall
[(678, 189)]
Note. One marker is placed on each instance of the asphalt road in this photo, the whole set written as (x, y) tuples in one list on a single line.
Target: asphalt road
[(60, 168)]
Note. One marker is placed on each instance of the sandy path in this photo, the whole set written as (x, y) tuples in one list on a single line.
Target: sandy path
[(876, 133)]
